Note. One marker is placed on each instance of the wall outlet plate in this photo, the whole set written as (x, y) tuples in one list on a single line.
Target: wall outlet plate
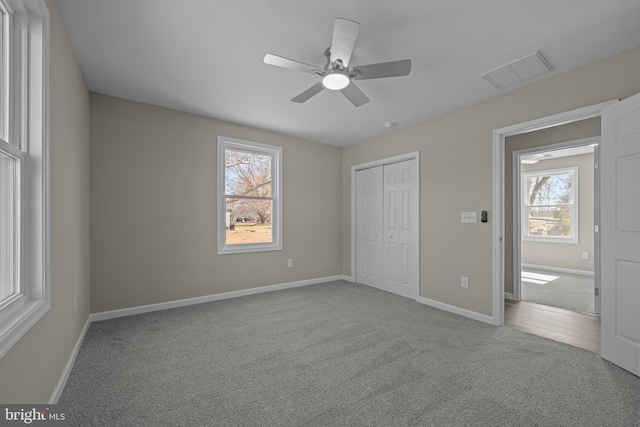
[(464, 282)]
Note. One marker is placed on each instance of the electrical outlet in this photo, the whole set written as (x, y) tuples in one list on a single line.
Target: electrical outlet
[(585, 255), (290, 263), (469, 217), (464, 282)]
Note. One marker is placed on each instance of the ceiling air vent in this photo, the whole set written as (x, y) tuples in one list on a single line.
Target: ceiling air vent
[(524, 68)]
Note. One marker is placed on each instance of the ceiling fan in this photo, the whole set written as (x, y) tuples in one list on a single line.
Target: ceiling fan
[(336, 73)]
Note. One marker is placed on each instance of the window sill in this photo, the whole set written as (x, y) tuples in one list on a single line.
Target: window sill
[(550, 239), (17, 318), (248, 248)]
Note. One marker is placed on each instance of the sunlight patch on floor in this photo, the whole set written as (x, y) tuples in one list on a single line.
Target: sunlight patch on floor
[(537, 278)]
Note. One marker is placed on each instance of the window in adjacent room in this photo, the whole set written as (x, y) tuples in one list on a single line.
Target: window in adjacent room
[(24, 292), (550, 210), (249, 196)]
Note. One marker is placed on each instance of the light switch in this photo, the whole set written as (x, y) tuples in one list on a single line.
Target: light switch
[(469, 217)]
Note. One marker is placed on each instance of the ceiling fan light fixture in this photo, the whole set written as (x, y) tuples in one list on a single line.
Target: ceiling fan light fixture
[(335, 81)]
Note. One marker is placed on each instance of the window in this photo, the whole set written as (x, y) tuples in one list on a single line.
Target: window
[(550, 210), (249, 196), (24, 293)]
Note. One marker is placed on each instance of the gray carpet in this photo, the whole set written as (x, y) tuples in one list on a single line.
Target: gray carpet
[(569, 291), (336, 354)]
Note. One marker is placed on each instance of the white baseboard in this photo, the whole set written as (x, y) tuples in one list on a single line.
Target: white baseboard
[(112, 314), (509, 296), (456, 310), (559, 269), (57, 391)]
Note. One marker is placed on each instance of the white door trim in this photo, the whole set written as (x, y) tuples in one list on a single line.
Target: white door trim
[(381, 162), (499, 136)]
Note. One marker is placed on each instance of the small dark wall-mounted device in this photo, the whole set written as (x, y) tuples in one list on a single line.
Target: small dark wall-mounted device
[(484, 216)]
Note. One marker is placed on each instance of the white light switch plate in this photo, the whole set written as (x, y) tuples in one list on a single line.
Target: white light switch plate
[(469, 217)]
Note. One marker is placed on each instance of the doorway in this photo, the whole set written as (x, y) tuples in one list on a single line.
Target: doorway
[(501, 210), (555, 206), (385, 224), (620, 151)]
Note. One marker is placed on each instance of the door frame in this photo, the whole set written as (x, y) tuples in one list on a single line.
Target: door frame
[(517, 211), (499, 137), (375, 163)]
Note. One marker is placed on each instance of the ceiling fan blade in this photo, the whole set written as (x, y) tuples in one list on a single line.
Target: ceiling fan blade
[(355, 95), (345, 33), (383, 69), (280, 61), (304, 96)]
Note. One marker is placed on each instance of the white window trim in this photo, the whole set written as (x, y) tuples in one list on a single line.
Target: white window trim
[(574, 211), (29, 97), (276, 222)]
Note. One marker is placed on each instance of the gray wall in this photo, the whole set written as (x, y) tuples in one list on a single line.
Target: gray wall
[(569, 132), (456, 172), (153, 208), (567, 255), (30, 371)]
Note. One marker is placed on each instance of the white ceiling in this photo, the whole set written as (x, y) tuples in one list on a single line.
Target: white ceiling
[(534, 158), (205, 57)]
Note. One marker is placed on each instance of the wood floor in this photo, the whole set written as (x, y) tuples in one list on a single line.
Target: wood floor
[(577, 329)]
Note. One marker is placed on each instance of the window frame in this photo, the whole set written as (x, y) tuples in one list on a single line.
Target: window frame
[(225, 143), (17, 232), (24, 132), (573, 207)]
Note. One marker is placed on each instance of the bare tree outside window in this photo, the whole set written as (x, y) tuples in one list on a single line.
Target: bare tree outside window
[(550, 204), (249, 196)]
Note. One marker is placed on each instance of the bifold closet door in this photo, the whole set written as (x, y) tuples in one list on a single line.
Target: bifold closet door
[(401, 237), (387, 227), (369, 236)]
